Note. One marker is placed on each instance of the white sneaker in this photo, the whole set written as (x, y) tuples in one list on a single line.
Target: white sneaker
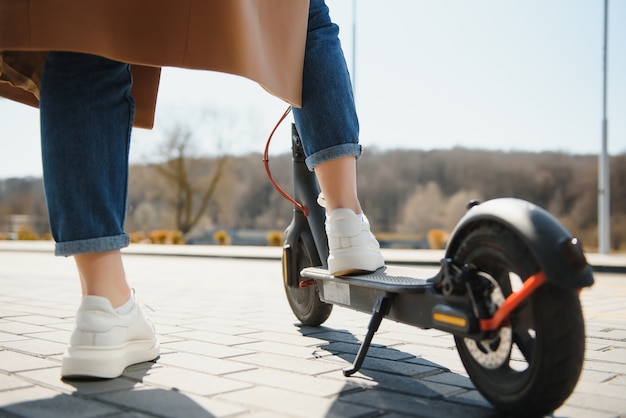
[(104, 342), (352, 246)]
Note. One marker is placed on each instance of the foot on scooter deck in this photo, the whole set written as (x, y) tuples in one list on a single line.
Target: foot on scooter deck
[(394, 279)]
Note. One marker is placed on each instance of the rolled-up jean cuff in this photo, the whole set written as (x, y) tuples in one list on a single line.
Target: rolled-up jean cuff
[(92, 245), (332, 153)]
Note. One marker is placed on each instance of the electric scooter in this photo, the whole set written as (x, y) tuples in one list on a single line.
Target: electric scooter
[(507, 290)]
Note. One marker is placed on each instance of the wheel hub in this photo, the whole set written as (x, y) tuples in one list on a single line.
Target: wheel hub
[(492, 353)]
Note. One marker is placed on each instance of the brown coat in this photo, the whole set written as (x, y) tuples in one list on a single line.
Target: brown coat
[(262, 40)]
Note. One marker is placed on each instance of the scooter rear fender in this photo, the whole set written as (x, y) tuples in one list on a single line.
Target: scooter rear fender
[(557, 251)]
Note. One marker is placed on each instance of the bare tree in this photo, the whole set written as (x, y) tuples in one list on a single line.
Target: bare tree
[(191, 189)]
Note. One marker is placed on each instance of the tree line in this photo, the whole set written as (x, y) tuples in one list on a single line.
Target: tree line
[(403, 192)]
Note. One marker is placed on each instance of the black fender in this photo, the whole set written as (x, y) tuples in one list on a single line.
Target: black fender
[(559, 253), (297, 230)]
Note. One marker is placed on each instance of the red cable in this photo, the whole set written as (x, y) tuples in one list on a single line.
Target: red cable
[(267, 167)]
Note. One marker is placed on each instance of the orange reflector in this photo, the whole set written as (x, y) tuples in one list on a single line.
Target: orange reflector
[(449, 319)]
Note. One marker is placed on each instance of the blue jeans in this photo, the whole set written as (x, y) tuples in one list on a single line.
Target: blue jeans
[(327, 122), (87, 111)]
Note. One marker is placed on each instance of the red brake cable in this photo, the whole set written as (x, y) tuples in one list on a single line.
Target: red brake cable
[(267, 166)]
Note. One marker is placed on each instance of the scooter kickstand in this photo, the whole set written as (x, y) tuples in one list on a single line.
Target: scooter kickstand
[(383, 304)]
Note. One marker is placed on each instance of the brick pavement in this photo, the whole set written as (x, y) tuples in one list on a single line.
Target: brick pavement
[(232, 348)]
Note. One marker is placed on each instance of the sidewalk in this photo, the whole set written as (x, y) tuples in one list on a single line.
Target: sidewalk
[(600, 262), (232, 348)]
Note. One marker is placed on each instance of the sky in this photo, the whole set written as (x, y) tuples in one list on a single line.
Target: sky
[(488, 74)]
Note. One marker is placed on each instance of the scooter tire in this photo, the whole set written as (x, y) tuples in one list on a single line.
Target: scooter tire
[(545, 359), (305, 302)]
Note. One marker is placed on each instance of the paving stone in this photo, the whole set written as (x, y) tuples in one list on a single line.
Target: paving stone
[(169, 330), (214, 338), (234, 327), (164, 340), (474, 398), (208, 349), (6, 311), (605, 389), (51, 378), (5, 336), (280, 324), (37, 402), (326, 335), (598, 401), (20, 328), (295, 404), (407, 367), (275, 361), (55, 336), (423, 338), (190, 381), (266, 414), (9, 382), (609, 355), (397, 383), (618, 368), (572, 411), (620, 380), (37, 319), (373, 351), (137, 372), (596, 376), (413, 405), (617, 334), (54, 311), (450, 379), (446, 359), (11, 361), (286, 349), (309, 385), (292, 337), (205, 364), (172, 403), (36, 346)]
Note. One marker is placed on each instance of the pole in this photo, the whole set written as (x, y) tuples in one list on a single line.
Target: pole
[(604, 190)]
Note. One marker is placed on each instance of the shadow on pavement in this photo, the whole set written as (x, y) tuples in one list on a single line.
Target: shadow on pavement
[(111, 397), (397, 382)]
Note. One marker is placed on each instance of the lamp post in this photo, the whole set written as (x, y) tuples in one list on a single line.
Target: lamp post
[(604, 190)]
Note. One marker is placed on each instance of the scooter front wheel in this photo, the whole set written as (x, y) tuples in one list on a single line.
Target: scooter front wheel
[(305, 302), (531, 365)]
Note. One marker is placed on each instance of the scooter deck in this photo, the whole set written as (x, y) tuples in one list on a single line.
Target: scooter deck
[(394, 279)]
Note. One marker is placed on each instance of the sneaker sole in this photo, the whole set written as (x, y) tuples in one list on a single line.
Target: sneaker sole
[(107, 363), (354, 261)]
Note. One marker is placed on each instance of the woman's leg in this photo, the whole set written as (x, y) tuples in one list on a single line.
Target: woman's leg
[(339, 193), (329, 128), (86, 120)]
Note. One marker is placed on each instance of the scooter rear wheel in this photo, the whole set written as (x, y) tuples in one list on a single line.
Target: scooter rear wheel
[(532, 364), (305, 302)]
